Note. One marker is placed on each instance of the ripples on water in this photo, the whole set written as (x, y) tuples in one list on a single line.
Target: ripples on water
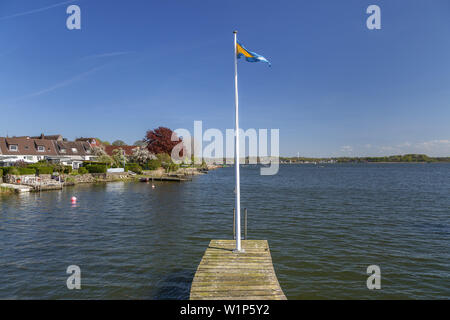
[(325, 225)]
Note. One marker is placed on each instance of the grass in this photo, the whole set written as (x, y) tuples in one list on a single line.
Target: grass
[(5, 190)]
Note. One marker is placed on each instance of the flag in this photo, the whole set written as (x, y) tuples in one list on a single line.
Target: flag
[(249, 56)]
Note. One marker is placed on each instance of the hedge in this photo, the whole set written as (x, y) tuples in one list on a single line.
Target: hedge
[(44, 170), (133, 167), (85, 163), (9, 170), (82, 170), (95, 168), (18, 171), (153, 164), (26, 171)]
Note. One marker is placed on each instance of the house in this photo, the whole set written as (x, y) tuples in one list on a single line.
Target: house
[(72, 153), (53, 148), (25, 149)]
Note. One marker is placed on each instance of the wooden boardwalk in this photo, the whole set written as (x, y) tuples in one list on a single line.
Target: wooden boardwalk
[(225, 275)]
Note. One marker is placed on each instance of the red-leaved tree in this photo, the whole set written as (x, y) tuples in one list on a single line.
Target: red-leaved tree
[(159, 141)]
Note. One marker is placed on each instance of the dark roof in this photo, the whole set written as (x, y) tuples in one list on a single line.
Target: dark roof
[(50, 137), (85, 139), (128, 149), (27, 146), (83, 148)]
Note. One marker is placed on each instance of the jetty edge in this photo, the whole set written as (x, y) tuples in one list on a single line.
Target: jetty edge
[(226, 275)]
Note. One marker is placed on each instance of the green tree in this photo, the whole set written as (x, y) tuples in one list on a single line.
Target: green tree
[(119, 143), (119, 158), (140, 143)]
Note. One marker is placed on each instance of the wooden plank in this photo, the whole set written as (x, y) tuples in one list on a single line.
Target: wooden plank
[(223, 274)]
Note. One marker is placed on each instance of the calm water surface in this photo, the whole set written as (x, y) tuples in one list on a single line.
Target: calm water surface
[(325, 226)]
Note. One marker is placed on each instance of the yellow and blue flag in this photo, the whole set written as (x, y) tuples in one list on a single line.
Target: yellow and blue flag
[(248, 55)]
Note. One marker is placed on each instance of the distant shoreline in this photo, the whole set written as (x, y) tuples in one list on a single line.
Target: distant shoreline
[(407, 158), (383, 162)]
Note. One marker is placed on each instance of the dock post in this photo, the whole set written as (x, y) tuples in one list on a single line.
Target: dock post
[(234, 223)]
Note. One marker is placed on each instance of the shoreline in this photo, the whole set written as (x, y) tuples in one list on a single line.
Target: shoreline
[(181, 175)]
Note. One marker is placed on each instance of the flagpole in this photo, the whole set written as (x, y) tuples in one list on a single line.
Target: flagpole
[(236, 153)]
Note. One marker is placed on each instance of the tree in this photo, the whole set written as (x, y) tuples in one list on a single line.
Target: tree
[(166, 162), (98, 151), (102, 156), (159, 141), (105, 159), (106, 143), (119, 143), (140, 143), (141, 156), (119, 157)]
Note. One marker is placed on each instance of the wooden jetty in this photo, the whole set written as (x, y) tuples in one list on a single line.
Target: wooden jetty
[(225, 275)]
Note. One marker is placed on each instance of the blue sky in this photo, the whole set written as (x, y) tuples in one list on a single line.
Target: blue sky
[(334, 88)]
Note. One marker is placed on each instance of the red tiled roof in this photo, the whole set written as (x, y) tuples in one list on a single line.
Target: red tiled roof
[(27, 146)]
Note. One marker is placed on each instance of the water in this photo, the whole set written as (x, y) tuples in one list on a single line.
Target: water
[(325, 225)]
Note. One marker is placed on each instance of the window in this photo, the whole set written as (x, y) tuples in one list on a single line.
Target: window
[(13, 147), (41, 149), (63, 150), (74, 150)]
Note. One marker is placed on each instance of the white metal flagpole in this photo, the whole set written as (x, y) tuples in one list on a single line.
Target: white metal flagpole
[(236, 153)]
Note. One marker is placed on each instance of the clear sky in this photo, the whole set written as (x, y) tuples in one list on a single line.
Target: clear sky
[(334, 88)]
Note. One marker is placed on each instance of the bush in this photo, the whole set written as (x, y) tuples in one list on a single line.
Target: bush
[(58, 168), (153, 164), (40, 163), (82, 170), (133, 167), (67, 169), (1, 172), (172, 167), (26, 171), (44, 170), (85, 163), (10, 170), (96, 168), (70, 180)]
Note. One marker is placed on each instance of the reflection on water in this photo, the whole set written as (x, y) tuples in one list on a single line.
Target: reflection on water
[(325, 225)]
